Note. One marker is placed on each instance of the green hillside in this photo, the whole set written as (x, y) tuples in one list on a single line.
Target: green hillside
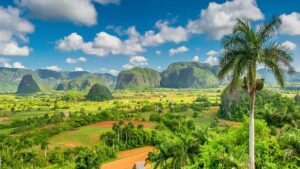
[(189, 75), (138, 78)]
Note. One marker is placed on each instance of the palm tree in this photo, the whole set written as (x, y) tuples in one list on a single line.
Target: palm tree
[(243, 50)]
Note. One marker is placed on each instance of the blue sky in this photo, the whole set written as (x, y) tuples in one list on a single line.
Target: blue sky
[(112, 35)]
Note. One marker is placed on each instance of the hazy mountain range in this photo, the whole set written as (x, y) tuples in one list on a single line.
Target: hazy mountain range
[(177, 75)]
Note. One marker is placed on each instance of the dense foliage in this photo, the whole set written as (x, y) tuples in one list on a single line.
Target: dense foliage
[(270, 106), (99, 93)]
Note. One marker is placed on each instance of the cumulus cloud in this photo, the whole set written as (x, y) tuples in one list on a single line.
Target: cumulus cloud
[(76, 60), (110, 71), (181, 49), (195, 59), (103, 44), (218, 19), (158, 67), (78, 11), (212, 57), (136, 61), (290, 45), (17, 65), (7, 65), (54, 68), (290, 24), (72, 42), (13, 31), (78, 69), (166, 34), (106, 2)]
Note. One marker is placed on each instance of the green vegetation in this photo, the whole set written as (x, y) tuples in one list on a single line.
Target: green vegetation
[(28, 85), (138, 78), (99, 93)]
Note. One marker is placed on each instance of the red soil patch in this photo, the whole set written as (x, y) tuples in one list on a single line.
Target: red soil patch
[(229, 123), (71, 145), (136, 123), (128, 158), (3, 118)]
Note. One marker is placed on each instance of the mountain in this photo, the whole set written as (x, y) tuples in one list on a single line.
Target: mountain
[(50, 80), (189, 75), (11, 77), (81, 83), (99, 93), (270, 79), (138, 78), (28, 85)]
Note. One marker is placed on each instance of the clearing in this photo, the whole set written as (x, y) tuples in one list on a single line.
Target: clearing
[(126, 159)]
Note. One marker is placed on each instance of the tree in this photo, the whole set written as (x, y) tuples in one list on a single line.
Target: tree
[(243, 50)]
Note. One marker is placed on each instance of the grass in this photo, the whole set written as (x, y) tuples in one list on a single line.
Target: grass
[(84, 136)]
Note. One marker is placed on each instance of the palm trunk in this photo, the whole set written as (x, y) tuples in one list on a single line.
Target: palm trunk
[(251, 132)]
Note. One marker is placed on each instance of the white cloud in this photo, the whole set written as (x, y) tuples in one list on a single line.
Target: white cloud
[(110, 71), (181, 49), (128, 66), (54, 68), (158, 68), (158, 52), (76, 60), (72, 42), (78, 11), (289, 45), (18, 65), (290, 24), (13, 29), (107, 41), (166, 34), (12, 49), (136, 61), (103, 44), (78, 69), (218, 19), (7, 65), (195, 59), (212, 57), (212, 53), (106, 2)]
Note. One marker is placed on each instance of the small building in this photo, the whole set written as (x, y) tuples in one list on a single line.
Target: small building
[(139, 165)]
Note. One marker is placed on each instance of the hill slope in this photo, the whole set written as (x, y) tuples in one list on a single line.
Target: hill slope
[(28, 85), (48, 79), (189, 75), (137, 78)]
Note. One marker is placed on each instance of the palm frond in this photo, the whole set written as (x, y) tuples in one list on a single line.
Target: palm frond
[(266, 31)]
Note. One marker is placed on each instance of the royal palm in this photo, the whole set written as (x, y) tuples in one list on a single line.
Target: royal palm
[(245, 49)]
